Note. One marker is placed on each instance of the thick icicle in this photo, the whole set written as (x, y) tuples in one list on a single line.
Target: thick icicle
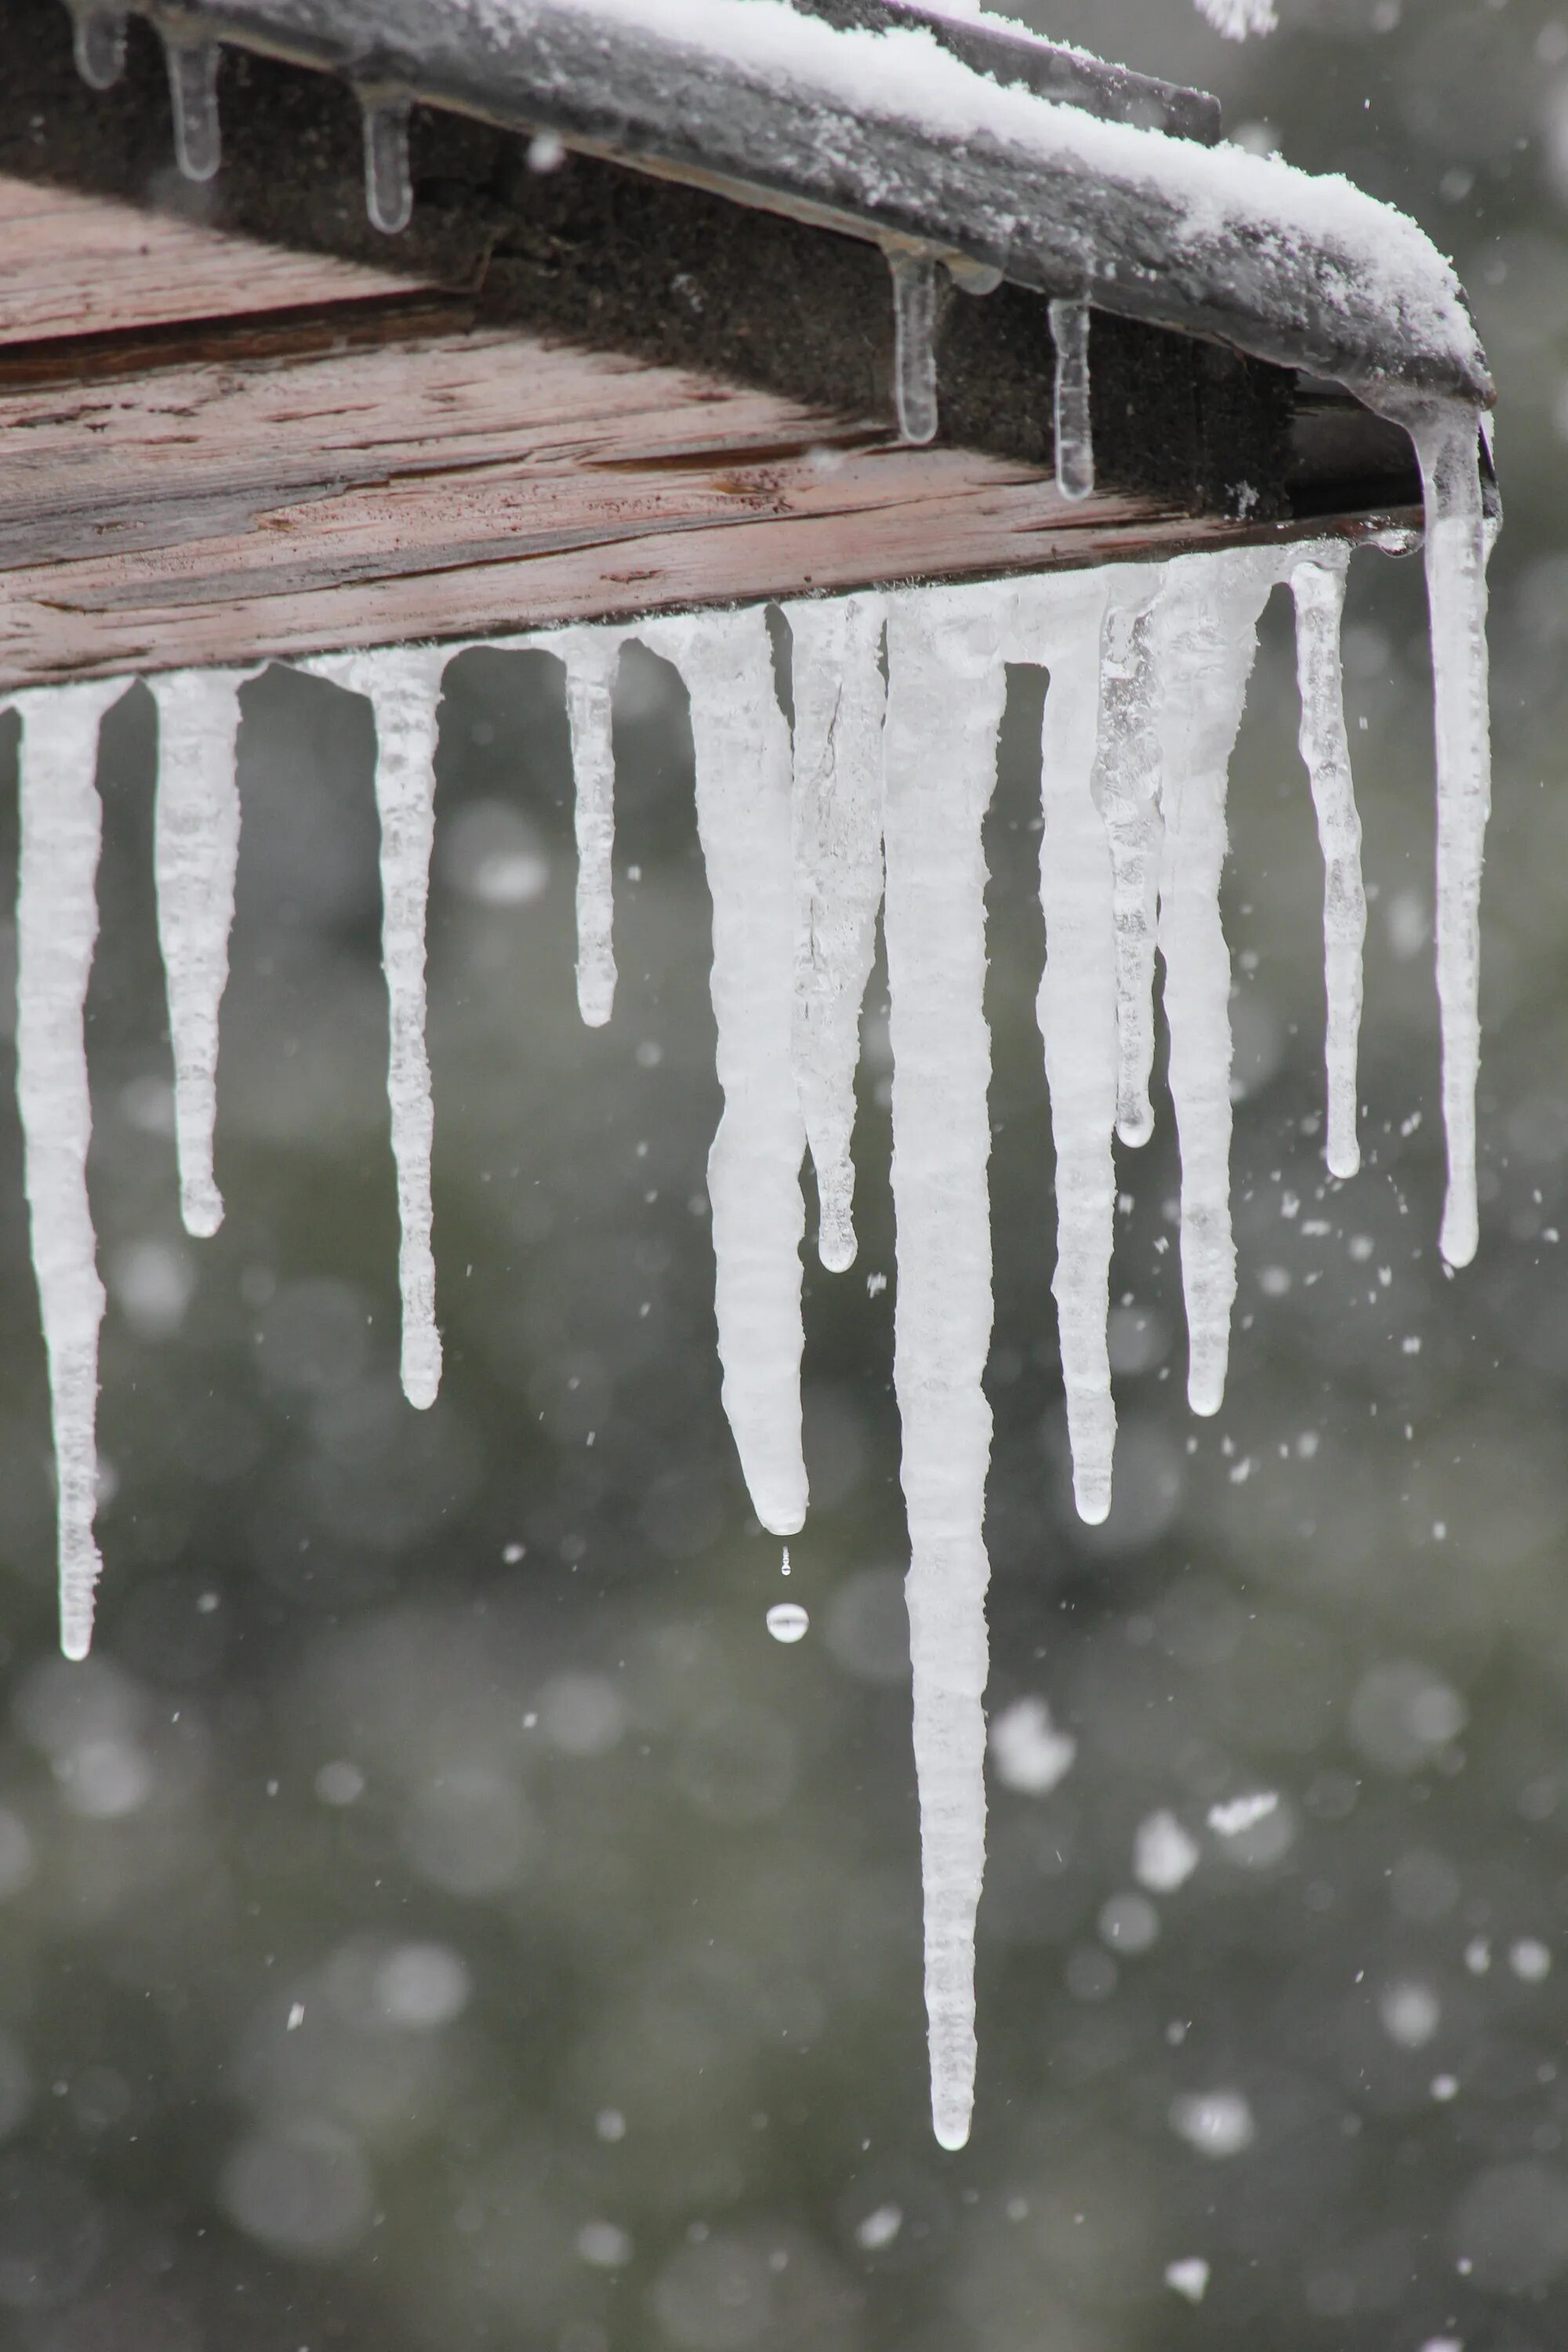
[(946, 683), (388, 187), (590, 659), (1127, 790), (1074, 438), (914, 282), (741, 752), (56, 926), (1205, 641), (1319, 589), (838, 708), (196, 852), (1458, 543), (403, 688), (1076, 1014), (193, 93)]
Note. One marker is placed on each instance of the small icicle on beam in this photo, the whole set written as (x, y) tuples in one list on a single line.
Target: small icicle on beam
[(914, 283), (1127, 793), (946, 682), (97, 42), (57, 929), (388, 184), (591, 656), (1205, 641), (196, 851), (1076, 1009), (1074, 436), (1458, 543), (403, 686), (741, 753), (193, 93), (1317, 587), (839, 701)]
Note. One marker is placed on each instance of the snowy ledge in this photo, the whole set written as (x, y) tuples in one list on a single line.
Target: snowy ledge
[(889, 135)]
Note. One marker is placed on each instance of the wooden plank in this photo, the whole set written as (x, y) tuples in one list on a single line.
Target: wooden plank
[(72, 265)]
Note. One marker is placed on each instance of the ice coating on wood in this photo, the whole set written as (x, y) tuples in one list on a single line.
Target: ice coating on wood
[(741, 754), (591, 656), (193, 93), (913, 276), (838, 816), (1074, 438), (1204, 640), (1076, 1009), (403, 686), (196, 852), (1457, 547), (1319, 589), (388, 187), (1127, 793), (57, 929), (945, 690)]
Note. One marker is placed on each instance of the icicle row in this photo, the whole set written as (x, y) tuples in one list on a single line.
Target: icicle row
[(57, 929), (1319, 589), (742, 750), (1205, 641), (1076, 1009), (196, 853), (946, 689), (591, 656), (837, 825)]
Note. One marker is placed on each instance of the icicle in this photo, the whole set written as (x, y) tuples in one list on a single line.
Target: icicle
[(946, 683), (1319, 589), (1127, 792), (838, 706), (98, 42), (1458, 543), (196, 851), (914, 344), (590, 659), (743, 761), (1074, 440), (56, 926), (1205, 641), (1076, 1014), (193, 90), (403, 686), (388, 186)]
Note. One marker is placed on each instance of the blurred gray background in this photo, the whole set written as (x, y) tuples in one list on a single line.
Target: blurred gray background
[(438, 1916)]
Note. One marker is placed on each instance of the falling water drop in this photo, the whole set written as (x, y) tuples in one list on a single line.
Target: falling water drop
[(388, 186), (193, 88), (787, 1621)]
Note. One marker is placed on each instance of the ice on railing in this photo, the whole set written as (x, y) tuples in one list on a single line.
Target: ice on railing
[(897, 700)]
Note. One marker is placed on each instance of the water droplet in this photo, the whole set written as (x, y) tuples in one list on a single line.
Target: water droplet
[(787, 1621)]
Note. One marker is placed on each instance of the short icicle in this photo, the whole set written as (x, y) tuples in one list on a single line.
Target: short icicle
[(1458, 543), (194, 855), (1318, 586), (591, 656), (403, 686), (1074, 436), (837, 820), (740, 745), (193, 93), (1205, 641), (388, 186), (97, 42), (1127, 792), (57, 929), (914, 283), (1077, 1013), (946, 683)]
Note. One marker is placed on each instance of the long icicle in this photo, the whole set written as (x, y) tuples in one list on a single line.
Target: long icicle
[(1459, 543), (740, 746), (403, 686), (946, 683), (1127, 792), (1205, 642), (196, 853), (1076, 1009), (839, 701), (57, 929), (591, 656), (1317, 587)]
